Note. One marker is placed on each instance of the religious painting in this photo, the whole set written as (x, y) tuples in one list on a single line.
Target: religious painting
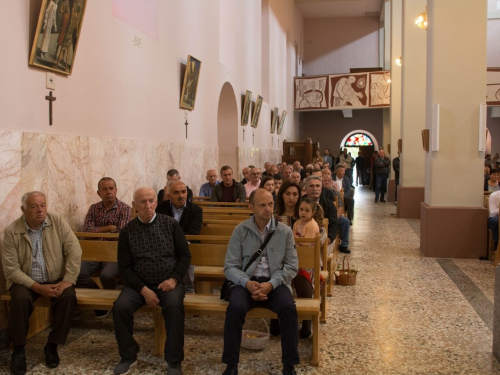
[(247, 103), (274, 119), (190, 85), (282, 122), (311, 93), (380, 89), (349, 91), (57, 35), (256, 111), (493, 86)]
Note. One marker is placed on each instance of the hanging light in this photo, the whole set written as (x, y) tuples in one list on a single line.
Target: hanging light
[(421, 20)]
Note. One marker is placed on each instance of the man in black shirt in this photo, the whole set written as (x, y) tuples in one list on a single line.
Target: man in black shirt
[(153, 257), (360, 169)]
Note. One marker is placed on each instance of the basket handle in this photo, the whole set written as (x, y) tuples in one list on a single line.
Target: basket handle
[(267, 326), (343, 264)]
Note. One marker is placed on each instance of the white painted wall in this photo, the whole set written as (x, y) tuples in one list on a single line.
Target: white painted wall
[(120, 91)]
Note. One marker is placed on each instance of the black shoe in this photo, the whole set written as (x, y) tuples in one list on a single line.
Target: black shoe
[(382, 200), (231, 370), (4, 339), (350, 222), (289, 370), (344, 250), (376, 200), (305, 331), (274, 328), (51, 356), (18, 365)]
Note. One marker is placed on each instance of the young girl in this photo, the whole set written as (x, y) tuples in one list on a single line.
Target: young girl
[(310, 218)]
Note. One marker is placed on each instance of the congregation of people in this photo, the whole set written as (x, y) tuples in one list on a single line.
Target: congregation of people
[(41, 255), (492, 190)]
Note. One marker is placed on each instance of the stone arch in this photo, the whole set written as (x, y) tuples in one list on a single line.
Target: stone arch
[(374, 140), (227, 127)]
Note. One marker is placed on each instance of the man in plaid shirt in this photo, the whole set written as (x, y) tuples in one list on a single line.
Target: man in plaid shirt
[(108, 216)]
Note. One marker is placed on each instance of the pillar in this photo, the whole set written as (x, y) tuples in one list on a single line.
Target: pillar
[(413, 77), (453, 219)]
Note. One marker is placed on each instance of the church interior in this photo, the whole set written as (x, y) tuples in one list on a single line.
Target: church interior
[(423, 302)]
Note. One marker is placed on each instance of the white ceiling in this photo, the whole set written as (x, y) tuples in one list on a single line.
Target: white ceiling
[(338, 8)]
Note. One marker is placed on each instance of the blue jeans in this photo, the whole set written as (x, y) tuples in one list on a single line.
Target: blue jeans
[(381, 186), (344, 227), (493, 226)]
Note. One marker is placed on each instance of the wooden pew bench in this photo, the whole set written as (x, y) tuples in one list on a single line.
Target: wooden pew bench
[(196, 304)]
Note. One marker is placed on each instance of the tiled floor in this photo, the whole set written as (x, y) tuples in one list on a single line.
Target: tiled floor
[(406, 315)]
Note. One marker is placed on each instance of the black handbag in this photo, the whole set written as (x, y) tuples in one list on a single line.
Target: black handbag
[(228, 285)]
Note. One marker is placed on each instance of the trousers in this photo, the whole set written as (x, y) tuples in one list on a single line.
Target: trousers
[(109, 273), (280, 300)]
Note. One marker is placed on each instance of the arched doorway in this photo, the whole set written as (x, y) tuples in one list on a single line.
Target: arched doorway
[(360, 143), (227, 128)]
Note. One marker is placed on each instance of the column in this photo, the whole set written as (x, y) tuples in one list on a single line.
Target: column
[(453, 219), (411, 178), (395, 110)]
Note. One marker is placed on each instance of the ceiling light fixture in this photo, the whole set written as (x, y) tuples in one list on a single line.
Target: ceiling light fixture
[(421, 20), (399, 61)]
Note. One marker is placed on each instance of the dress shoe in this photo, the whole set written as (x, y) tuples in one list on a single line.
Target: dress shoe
[(231, 370), (289, 370), (376, 200), (51, 356), (382, 200), (18, 366), (344, 250), (174, 368), (305, 331)]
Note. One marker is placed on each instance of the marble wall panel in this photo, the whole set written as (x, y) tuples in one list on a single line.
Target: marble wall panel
[(104, 162), (256, 156), (69, 185), (34, 166), (133, 174), (10, 174)]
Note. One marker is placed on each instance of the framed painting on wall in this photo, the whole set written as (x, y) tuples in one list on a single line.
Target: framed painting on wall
[(282, 122), (190, 84), (246, 108), (256, 111), (57, 35), (274, 119)]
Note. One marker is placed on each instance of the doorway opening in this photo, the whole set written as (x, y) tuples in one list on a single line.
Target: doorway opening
[(360, 146)]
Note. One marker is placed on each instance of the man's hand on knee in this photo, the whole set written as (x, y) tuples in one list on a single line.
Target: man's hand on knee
[(45, 290), (61, 286), (167, 285), (150, 296)]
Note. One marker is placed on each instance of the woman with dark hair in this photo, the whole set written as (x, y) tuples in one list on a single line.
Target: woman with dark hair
[(267, 182), (287, 212), (492, 183)]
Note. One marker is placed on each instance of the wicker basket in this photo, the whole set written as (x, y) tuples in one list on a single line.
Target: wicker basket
[(344, 276), (255, 340)]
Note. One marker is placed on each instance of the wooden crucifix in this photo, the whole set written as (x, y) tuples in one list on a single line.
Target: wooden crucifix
[(50, 98), (253, 137), (243, 133), (186, 123)]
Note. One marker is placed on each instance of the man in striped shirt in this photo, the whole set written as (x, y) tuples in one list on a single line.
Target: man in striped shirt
[(108, 216)]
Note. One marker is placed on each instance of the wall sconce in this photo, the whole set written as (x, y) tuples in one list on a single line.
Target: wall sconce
[(421, 20), (399, 61)]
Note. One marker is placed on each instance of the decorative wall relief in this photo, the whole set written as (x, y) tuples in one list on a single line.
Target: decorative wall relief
[(343, 91)]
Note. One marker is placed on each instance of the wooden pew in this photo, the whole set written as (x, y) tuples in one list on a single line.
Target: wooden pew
[(204, 204), (212, 255)]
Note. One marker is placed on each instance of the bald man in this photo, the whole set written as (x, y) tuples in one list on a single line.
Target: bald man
[(153, 257), (207, 187)]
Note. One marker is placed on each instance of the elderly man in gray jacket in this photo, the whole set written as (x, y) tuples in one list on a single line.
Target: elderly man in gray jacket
[(266, 282)]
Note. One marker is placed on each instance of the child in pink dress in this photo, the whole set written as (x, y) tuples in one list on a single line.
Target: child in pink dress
[(310, 218)]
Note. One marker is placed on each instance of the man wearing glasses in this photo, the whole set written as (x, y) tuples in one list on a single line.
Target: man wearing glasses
[(254, 182)]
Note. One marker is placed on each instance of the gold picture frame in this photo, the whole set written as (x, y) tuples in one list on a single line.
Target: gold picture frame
[(247, 103), (274, 119), (57, 35), (190, 83), (256, 111), (282, 122)]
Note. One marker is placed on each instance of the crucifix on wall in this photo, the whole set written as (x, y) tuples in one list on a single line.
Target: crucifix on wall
[(51, 99)]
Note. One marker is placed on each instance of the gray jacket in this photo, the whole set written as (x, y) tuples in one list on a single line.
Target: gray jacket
[(281, 254)]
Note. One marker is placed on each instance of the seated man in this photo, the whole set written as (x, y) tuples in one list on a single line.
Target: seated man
[(107, 216), (173, 175), (41, 258), (153, 257), (246, 175), (254, 181), (267, 169), (266, 283), (278, 180), (229, 190), (343, 182), (494, 201), (206, 188), (187, 214)]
